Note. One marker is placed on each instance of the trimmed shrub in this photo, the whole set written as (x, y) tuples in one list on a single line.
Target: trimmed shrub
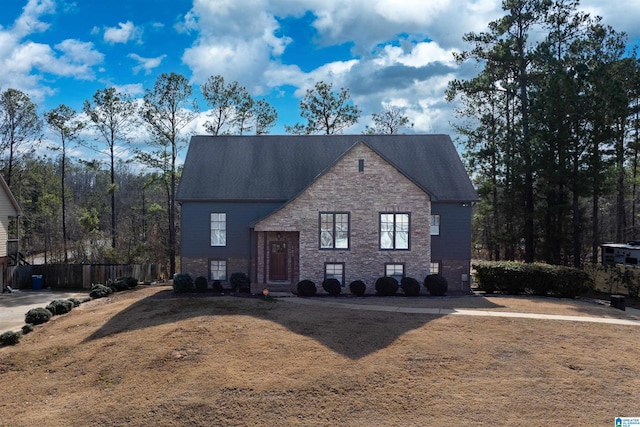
[(182, 282), (436, 284), (100, 291), (10, 338), (358, 288), (216, 286), (37, 316), (59, 306), (124, 283), (240, 282), (410, 286), (75, 301), (306, 288), (332, 286), (201, 284), (27, 328), (386, 286)]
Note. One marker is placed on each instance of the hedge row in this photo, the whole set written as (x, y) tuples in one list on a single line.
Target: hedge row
[(515, 278)]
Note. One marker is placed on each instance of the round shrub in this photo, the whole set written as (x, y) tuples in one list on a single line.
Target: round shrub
[(410, 286), (358, 288), (75, 301), (37, 316), (182, 282), (216, 286), (10, 338), (100, 291), (386, 286), (60, 306), (306, 288), (240, 282), (124, 283), (201, 284), (436, 284), (332, 286), (27, 328)]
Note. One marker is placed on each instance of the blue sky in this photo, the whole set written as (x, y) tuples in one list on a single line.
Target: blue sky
[(385, 51)]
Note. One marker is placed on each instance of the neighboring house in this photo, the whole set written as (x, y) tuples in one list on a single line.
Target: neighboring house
[(9, 209), (355, 207)]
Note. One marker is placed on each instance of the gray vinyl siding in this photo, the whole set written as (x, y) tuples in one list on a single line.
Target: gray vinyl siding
[(454, 241), (196, 227)]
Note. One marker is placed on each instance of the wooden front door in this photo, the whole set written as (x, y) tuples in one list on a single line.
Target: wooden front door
[(278, 261)]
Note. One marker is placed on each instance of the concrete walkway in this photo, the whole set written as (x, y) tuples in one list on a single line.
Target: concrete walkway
[(14, 305), (463, 312)]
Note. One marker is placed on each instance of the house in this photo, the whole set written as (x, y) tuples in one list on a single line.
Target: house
[(355, 207), (9, 210)]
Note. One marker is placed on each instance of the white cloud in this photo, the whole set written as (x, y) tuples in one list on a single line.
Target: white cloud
[(123, 33), (146, 64)]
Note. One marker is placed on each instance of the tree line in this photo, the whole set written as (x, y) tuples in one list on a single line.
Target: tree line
[(550, 127), (86, 210)]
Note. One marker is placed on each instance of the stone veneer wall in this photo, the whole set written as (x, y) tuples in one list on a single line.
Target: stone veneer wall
[(199, 266), (379, 188)]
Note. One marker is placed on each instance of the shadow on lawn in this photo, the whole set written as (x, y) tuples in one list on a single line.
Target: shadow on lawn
[(352, 333)]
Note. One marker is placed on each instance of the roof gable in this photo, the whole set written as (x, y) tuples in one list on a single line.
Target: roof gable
[(278, 167)]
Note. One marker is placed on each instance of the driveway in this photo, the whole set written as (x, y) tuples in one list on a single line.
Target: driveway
[(13, 306)]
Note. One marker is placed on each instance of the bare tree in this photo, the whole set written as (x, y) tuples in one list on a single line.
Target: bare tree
[(112, 114), (19, 124), (64, 122), (390, 121)]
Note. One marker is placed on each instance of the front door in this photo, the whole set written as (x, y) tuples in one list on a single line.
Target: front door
[(278, 261)]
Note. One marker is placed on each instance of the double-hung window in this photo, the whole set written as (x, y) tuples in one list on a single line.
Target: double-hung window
[(334, 271), (435, 225), (394, 270), (218, 269), (334, 230), (394, 231), (218, 229)]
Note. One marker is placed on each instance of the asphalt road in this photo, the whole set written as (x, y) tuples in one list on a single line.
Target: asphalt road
[(14, 305)]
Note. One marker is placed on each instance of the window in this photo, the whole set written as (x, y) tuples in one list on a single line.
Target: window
[(434, 268), (334, 271), (394, 231), (218, 269), (435, 225), (334, 230), (361, 165), (218, 229), (394, 270)]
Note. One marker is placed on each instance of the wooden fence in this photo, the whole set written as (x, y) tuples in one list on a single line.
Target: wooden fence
[(82, 276)]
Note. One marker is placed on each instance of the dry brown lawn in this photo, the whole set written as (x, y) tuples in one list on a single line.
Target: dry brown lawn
[(146, 357)]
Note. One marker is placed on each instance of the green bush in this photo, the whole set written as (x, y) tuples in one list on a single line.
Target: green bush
[(201, 284), (436, 284), (240, 282), (216, 286), (410, 286), (27, 328), (332, 286), (358, 288), (100, 291), (124, 283), (59, 306), (75, 301), (386, 286), (182, 282), (10, 338), (533, 279), (37, 316), (306, 288)]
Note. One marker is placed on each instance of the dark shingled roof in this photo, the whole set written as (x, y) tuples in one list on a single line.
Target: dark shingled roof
[(279, 167)]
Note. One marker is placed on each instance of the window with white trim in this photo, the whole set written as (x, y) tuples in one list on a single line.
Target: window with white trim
[(334, 271), (218, 269), (218, 229), (434, 268), (394, 231), (435, 225), (334, 230)]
